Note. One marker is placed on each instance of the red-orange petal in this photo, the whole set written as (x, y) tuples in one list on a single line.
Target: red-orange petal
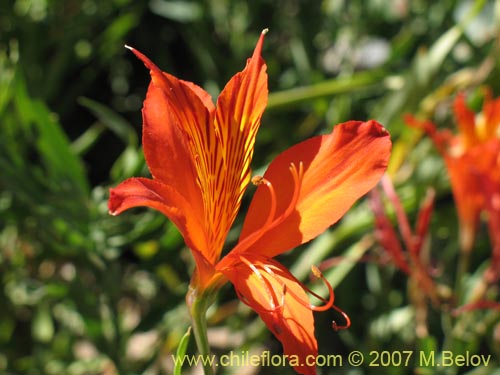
[(237, 119), (178, 129), (489, 180), (178, 119), (268, 287), (466, 122), (166, 147), (491, 114), (338, 169), (138, 192), (442, 139), (212, 147), (467, 195), (468, 185)]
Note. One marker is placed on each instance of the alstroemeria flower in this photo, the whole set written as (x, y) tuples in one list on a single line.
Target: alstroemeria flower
[(199, 156), (472, 157)]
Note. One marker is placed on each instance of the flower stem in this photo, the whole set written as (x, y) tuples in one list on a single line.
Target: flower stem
[(198, 305)]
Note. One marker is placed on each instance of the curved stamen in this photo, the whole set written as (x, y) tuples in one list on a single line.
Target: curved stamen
[(259, 180), (328, 303), (271, 221), (267, 286), (347, 324), (297, 182), (317, 273), (262, 264)]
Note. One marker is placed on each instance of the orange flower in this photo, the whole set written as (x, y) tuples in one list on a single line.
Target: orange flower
[(199, 156), (472, 158)]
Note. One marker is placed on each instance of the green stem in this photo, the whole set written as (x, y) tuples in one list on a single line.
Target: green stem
[(198, 306)]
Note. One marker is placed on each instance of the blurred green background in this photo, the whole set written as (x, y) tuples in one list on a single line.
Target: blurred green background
[(83, 292)]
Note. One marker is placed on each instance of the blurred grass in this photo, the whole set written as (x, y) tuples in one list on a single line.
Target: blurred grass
[(86, 293)]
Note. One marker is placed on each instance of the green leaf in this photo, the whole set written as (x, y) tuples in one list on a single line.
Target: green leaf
[(114, 122), (42, 325), (85, 141), (53, 146), (111, 40), (128, 164), (181, 351), (6, 80), (417, 82), (181, 11), (358, 81), (427, 344)]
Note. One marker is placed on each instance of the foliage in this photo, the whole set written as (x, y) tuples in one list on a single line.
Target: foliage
[(83, 292)]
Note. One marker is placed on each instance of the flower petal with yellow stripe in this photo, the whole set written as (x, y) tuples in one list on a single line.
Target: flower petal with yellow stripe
[(199, 156)]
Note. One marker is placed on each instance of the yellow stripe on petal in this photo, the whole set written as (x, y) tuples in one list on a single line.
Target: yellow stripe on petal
[(213, 145), (237, 119)]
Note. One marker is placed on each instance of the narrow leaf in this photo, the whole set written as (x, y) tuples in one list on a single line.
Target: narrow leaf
[(117, 124), (181, 351)]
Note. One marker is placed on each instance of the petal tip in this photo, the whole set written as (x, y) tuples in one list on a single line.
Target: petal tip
[(265, 31), (378, 128), (112, 208), (113, 203), (147, 62)]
